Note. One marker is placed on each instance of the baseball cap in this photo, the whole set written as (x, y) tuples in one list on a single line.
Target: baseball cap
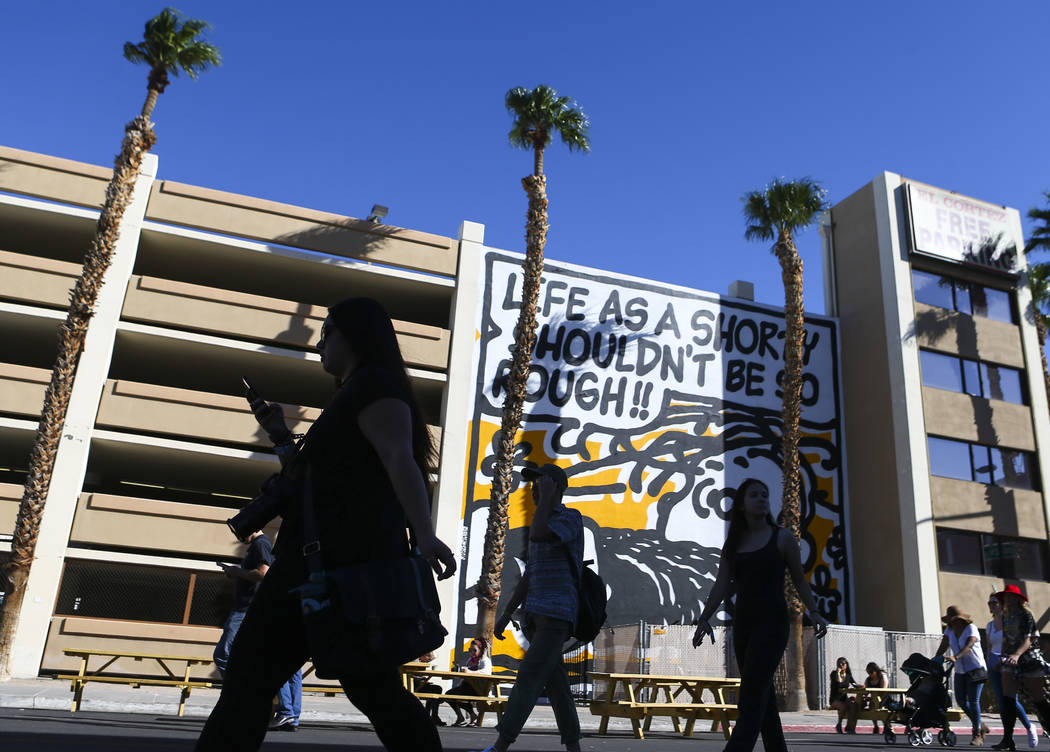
[(555, 473)]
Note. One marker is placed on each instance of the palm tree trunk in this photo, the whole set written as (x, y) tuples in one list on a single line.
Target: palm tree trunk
[(149, 104), (489, 585), (791, 273), (138, 139), (1040, 330), (537, 169)]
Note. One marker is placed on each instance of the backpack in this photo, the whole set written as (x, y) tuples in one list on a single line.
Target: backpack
[(593, 600)]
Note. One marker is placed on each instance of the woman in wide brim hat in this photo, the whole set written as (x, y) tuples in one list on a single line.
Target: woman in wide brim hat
[(1023, 664), (970, 670)]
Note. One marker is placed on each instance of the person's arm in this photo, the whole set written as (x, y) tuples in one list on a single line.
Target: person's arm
[(540, 530), (387, 424), (714, 599), (968, 648), (1021, 650), (516, 599), (789, 550), (884, 680), (240, 573)]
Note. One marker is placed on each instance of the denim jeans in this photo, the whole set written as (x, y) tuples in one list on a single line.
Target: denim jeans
[(542, 667), (995, 678), (968, 695), (290, 698), (221, 654)]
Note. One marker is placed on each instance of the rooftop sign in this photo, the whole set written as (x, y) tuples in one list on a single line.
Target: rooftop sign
[(961, 229)]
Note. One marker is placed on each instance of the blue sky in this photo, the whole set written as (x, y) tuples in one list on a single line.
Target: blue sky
[(339, 105)]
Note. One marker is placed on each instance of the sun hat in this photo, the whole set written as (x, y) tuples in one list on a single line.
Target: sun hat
[(552, 471), (954, 613), (1012, 590)]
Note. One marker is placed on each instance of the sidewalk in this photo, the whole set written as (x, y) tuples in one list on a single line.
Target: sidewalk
[(52, 694)]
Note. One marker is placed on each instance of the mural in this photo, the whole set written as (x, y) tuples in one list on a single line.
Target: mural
[(657, 401)]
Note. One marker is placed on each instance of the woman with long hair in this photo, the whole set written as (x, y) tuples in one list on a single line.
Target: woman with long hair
[(1023, 664), (756, 554), (994, 630), (970, 672), (369, 456), (842, 679), (876, 679)]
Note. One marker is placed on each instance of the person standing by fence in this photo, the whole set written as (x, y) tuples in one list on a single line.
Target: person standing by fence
[(754, 559)]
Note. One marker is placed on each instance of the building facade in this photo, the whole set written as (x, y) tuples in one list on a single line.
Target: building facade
[(946, 410), (658, 399)]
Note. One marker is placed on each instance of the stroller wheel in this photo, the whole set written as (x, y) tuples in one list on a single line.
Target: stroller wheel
[(926, 736), (949, 737), (914, 738), (889, 737)]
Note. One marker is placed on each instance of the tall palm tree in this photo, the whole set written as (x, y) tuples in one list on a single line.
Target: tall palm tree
[(169, 45), (778, 213), (538, 114), (1039, 280)]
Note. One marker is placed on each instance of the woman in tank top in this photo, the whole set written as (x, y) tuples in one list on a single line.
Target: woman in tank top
[(756, 554)]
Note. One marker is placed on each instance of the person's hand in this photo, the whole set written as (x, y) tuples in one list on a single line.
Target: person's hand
[(438, 556), (500, 626), (820, 624), (703, 627), (270, 416), (228, 569), (950, 658), (1010, 660)]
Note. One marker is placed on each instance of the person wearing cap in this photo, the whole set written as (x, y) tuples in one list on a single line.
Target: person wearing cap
[(1023, 664), (994, 630), (549, 592), (970, 671)]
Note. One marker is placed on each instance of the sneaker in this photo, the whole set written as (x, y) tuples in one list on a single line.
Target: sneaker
[(1033, 737), (284, 723)]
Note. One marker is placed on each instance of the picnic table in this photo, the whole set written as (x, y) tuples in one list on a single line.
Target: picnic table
[(109, 657), (489, 697), (332, 689), (682, 700)]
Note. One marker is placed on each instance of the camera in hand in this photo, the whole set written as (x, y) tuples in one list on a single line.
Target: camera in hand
[(257, 513)]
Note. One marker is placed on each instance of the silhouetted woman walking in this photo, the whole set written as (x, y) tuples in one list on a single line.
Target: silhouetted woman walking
[(369, 454), (754, 558)]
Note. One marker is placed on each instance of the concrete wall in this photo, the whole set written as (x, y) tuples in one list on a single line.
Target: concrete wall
[(870, 452)]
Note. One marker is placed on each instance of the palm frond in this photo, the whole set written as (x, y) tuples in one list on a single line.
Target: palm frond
[(174, 46), (1039, 239), (782, 206), (540, 112), (1039, 285)]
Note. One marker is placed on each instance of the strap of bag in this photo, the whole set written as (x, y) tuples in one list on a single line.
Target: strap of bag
[(311, 539)]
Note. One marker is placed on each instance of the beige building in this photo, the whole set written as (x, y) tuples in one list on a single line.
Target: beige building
[(159, 447), (948, 439)]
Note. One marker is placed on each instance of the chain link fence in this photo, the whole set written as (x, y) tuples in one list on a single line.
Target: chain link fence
[(643, 648)]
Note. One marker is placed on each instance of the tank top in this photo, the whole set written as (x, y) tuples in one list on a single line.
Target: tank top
[(759, 578)]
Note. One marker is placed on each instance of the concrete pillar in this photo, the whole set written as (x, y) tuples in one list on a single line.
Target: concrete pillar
[(456, 414), (71, 460)]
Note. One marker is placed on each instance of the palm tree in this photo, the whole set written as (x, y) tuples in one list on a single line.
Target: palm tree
[(778, 213), (538, 114), (168, 46), (1039, 280)]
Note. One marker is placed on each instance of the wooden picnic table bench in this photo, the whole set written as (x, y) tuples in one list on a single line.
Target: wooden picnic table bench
[(489, 697), (83, 676), (873, 710), (642, 701)]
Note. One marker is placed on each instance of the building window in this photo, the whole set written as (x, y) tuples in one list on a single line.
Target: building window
[(977, 378), (967, 552), (963, 460), (966, 297)]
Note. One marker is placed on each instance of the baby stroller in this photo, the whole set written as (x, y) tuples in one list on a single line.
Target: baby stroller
[(926, 702)]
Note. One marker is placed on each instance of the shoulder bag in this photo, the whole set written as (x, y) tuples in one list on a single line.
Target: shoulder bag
[(365, 618)]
